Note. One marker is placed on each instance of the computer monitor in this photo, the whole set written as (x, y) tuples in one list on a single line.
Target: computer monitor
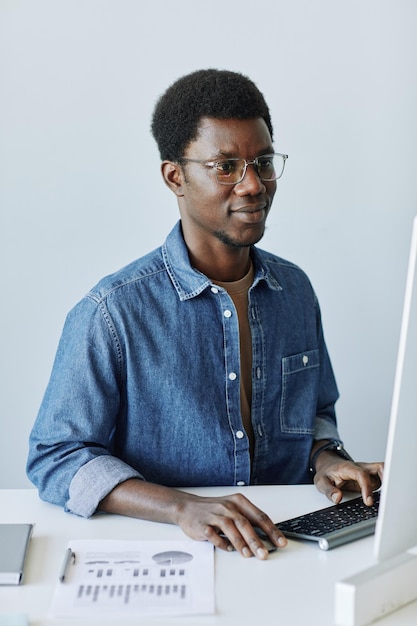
[(396, 527)]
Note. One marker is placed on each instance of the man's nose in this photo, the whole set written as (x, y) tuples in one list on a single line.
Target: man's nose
[(251, 184)]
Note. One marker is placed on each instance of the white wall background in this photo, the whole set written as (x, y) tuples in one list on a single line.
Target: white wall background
[(81, 193)]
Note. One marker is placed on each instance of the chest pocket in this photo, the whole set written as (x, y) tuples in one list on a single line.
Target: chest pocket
[(300, 384)]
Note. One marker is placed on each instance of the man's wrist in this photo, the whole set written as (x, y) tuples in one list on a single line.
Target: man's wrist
[(332, 445)]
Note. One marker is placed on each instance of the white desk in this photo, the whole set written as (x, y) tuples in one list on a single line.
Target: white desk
[(294, 587)]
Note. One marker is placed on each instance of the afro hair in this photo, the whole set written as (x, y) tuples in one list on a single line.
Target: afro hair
[(220, 94)]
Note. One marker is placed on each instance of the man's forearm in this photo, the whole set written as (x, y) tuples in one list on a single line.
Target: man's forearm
[(227, 521), (143, 500)]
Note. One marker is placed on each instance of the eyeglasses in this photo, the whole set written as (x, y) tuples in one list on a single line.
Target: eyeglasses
[(232, 171)]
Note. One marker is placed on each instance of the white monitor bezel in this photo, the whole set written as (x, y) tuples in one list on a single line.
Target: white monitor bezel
[(396, 527)]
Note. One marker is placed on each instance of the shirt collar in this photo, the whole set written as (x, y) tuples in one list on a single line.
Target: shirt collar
[(188, 281)]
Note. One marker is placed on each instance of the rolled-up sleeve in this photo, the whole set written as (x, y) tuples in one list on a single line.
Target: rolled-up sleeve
[(325, 424), (71, 445), (94, 481)]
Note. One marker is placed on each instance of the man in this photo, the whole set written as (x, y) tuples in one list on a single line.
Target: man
[(204, 362)]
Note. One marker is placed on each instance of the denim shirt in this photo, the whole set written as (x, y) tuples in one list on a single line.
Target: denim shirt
[(146, 383)]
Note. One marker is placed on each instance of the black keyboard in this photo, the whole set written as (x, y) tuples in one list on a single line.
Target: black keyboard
[(334, 525)]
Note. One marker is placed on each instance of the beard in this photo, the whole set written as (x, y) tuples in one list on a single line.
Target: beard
[(232, 242)]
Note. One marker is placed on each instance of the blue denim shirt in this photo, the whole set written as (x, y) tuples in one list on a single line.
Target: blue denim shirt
[(146, 383)]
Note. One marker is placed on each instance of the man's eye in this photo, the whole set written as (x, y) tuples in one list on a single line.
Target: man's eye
[(225, 167), (265, 162)]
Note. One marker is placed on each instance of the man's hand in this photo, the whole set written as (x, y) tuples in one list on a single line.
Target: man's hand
[(335, 475), (227, 522)]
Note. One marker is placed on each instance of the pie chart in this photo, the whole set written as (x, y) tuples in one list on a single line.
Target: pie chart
[(172, 557)]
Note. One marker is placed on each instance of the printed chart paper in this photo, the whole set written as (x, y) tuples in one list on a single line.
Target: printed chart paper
[(109, 578)]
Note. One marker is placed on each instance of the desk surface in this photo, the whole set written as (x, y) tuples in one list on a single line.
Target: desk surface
[(295, 586)]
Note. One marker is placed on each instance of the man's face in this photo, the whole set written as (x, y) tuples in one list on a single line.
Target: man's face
[(234, 215)]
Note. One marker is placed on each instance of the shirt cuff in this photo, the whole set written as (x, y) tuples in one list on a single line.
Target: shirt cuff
[(324, 429), (94, 481)]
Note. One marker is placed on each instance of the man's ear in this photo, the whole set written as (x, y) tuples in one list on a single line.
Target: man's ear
[(173, 176)]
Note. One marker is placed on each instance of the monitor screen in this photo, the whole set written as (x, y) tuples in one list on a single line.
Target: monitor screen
[(396, 528)]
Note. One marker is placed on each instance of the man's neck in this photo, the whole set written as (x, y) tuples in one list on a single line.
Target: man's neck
[(225, 267)]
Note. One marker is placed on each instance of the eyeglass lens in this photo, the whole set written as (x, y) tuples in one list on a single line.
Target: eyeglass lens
[(232, 171)]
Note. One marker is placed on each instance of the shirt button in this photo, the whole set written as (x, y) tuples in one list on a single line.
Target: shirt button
[(305, 359), (258, 372), (240, 483), (214, 290), (240, 434), (232, 376), (227, 313)]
